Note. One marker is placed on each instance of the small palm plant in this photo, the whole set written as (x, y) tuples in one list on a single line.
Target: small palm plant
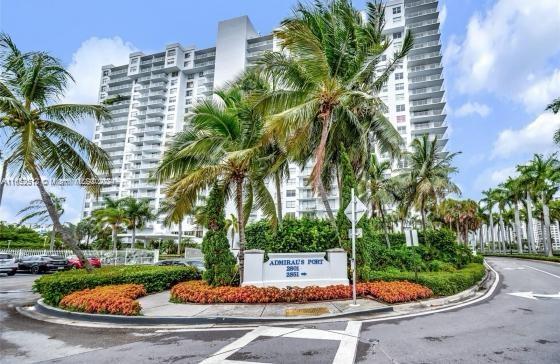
[(37, 212)]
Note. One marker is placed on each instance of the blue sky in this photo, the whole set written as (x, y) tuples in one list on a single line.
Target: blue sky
[(502, 66)]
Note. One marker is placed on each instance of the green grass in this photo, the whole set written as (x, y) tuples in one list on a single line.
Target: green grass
[(441, 283)]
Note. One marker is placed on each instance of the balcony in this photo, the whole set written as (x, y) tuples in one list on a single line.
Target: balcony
[(429, 127), (419, 104), (204, 55), (157, 85), (425, 81), (157, 111), (421, 13), (263, 44), (425, 23), (419, 3), (204, 64)]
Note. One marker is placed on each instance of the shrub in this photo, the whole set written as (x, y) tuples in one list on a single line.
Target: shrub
[(391, 292), (155, 279), (441, 283), (114, 300), (293, 235), (439, 266), (219, 262)]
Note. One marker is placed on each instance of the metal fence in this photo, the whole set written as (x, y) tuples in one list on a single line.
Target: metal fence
[(193, 253), (108, 257)]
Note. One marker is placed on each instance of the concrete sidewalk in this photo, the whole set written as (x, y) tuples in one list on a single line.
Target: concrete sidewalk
[(158, 305)]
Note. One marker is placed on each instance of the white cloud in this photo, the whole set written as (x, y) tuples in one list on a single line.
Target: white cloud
[(508, 49), (86, 69), (471, 108), (542, 92), (536, 137), (492, 177), (443, 15)]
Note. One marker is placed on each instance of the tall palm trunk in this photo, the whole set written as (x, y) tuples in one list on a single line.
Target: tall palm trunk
[(53, 214), (133, 233), (381, 210), (3, 178), (493, 242), (325, 200), (320, 159), (180, 237), (546, 236), (423, 213), (278, 184), (114, 236), (240, 225), (517, 228), (530, 233), (53, 236), (504, 238)]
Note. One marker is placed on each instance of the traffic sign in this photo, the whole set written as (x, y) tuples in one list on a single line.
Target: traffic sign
[(359, 209)]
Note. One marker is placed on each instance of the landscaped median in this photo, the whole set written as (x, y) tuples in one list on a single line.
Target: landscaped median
[(115, 300), (54, 287)]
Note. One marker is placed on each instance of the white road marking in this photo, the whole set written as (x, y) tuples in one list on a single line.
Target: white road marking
[(345, 354), (543, 271), (514, 268), (534, 296)]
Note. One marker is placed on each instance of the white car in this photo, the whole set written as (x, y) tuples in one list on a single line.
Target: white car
[(8, 264)]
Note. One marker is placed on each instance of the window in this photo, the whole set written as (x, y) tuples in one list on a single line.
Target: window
[(396, 10), (201, 73), (172, 52), (190, 84), (171, 108), (190, 76), (290, 214), (400, 108), (188, 93), (173, 83), (397, 35), (399, 97), (173, 90), (188, 101), (399, 76), (290, 204), (187, 55), (170, 126), (175, 74), (133, 69), (186, 110), (172, 100), (384, 88), (401, 129), (106, 73), (103, 88), (290, 193), (134, 61), (171, 116), (396, 19), (399, 86), (383, 57), (186, 63)]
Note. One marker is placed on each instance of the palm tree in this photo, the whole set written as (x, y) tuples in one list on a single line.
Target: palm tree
[(223, 144), (430, 170), (327, 72), (542, 176), (87, 228), (113, 215), (174, 209), (514, 191), (375, 185), (489, 202), (500, 196), (138, 213), (39, 135), (37, 212), (232, 224)]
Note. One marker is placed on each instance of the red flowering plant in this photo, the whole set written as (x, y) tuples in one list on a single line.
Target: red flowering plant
[(114, 299)]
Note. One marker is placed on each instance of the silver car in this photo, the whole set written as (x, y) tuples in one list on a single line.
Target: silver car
[(8, 264)]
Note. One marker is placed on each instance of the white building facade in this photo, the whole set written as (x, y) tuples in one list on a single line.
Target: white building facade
[(150, 96)]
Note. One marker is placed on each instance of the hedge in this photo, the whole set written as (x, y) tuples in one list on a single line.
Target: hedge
[(154, 278), (114, 300), (555, 259), (441, 283)]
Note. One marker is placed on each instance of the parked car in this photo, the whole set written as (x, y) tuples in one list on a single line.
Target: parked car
[(74, 262), (184, 262), (42, 263), (8, 264)]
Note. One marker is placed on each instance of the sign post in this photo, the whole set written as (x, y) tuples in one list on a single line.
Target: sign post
[(354, 212)]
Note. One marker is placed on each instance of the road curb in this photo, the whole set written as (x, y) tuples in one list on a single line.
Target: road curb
[(45, 309)]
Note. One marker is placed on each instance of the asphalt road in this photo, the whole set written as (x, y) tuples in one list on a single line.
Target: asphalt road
[(504, 328)]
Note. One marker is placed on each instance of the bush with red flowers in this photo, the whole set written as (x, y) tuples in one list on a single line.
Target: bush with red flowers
[(390, 292), (114, 299)]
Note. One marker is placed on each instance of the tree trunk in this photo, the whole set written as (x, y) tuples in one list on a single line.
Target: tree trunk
[(240, 227), (133, 233), (320, 150), (423, 213), (325, 200), (381, 210), (546, 237), (278, 184), (517, 228), (492, 232), (180, 237), (530, 233), (3, 178), (114, 237), (502, 227), (53, 214), (53, 236)]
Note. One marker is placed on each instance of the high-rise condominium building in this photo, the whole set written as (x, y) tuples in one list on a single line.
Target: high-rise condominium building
[(150, 96)]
